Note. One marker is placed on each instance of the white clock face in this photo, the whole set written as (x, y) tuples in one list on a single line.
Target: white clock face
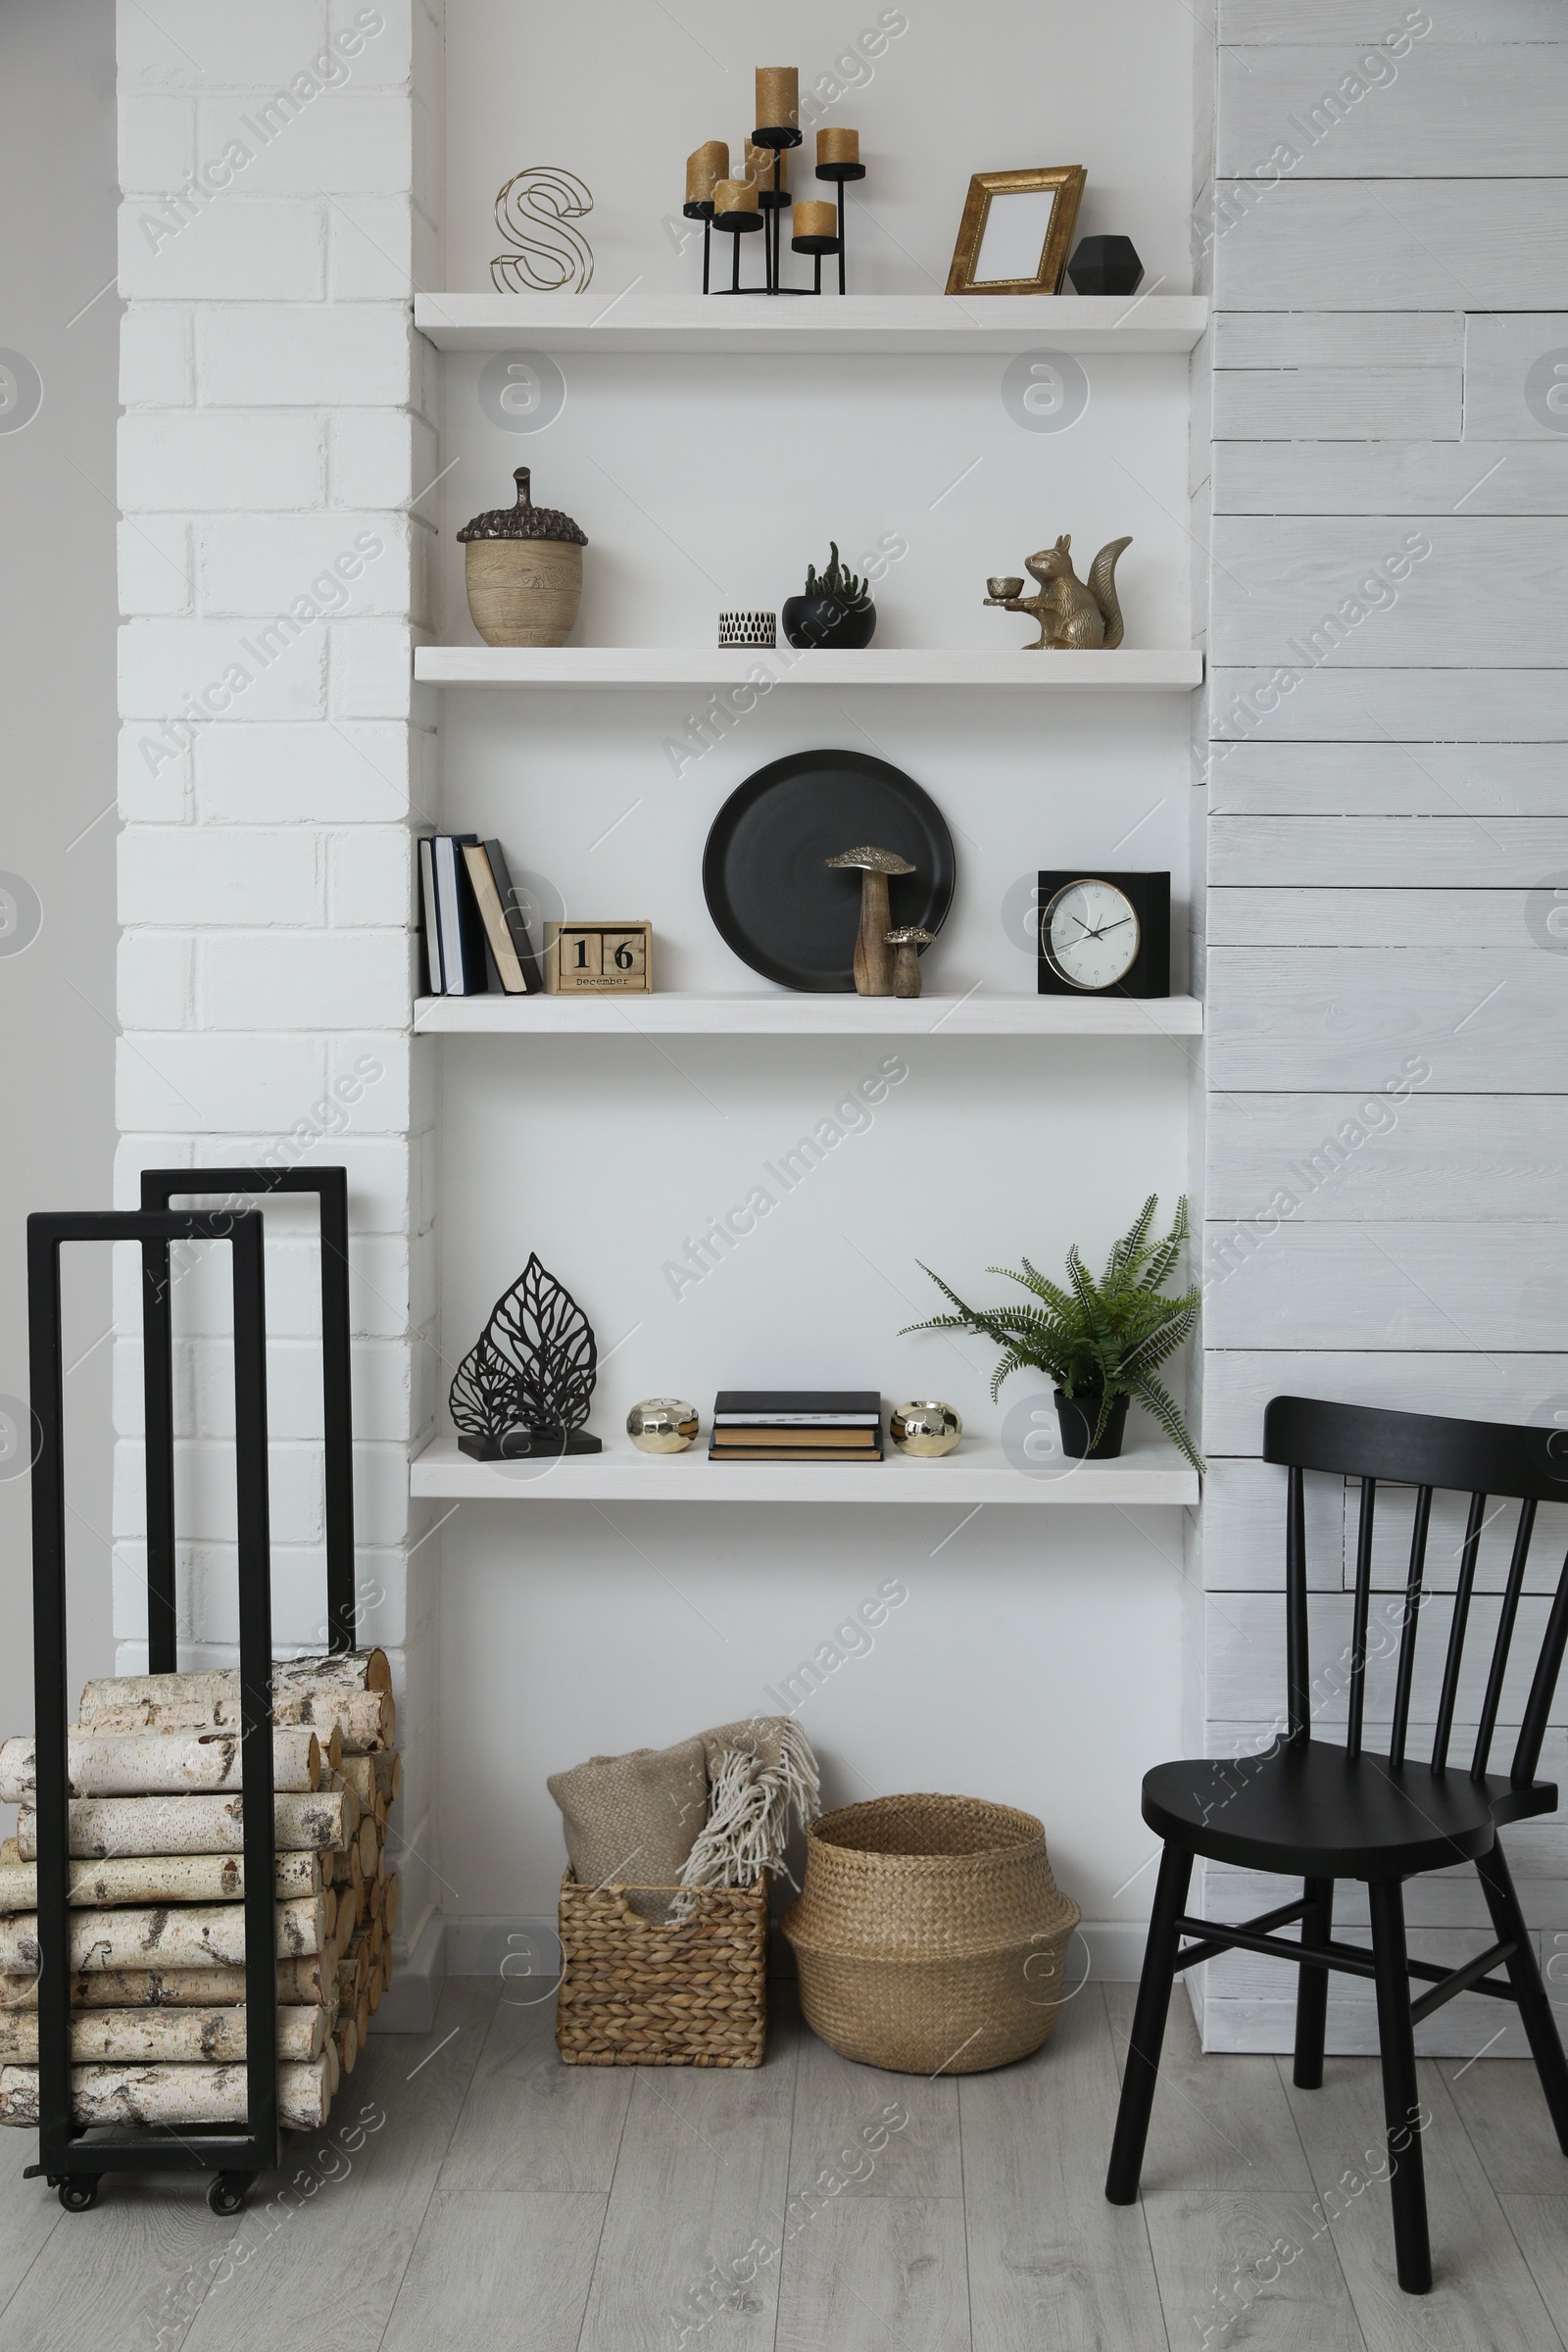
[(1089, 934)]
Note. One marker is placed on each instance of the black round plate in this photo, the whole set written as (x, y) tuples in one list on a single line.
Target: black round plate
[(771, 894)]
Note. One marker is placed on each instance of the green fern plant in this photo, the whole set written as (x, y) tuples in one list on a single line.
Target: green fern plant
[(1108, 1335), (837, 582)]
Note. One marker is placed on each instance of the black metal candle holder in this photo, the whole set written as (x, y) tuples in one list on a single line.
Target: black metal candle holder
[(702, 209), (736, 226), (773, 204), (840, 172)]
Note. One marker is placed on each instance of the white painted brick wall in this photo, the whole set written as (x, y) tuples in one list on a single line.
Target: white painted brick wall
[(156, 982), (352, 563), (156, 357), (354, 774), (278, 166), (303, 984), (246, 250), (354, 356), (155, 565), (229, 874), (204, 458)]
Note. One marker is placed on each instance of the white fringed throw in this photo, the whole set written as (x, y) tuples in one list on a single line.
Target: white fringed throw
[(762, 1777)]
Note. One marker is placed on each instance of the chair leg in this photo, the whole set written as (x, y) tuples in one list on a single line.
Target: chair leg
[(1149, 2028), (1312, 1988), (1535, 2002), (1401, 2105)]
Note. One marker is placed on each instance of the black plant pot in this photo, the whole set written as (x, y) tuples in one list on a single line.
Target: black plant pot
[(812, 621), (1076, 1417)]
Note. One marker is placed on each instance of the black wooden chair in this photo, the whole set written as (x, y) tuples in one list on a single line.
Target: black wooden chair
[(1317, 1811)]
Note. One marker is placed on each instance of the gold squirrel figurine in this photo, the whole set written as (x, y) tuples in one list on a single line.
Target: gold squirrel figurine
[(1073, 616)]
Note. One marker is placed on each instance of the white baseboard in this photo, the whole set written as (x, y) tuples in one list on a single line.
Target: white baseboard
[(523, 1956), (518, 1949), (408, 2005)]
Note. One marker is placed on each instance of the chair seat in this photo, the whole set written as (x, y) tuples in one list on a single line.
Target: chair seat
[(1310, 1811)]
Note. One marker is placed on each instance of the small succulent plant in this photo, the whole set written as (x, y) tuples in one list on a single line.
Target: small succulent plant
[(837, 582)]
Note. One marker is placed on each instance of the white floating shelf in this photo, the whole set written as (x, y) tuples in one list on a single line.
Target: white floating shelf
[(1125, 671), (781, 1014), (895, 323), (977, 1473)]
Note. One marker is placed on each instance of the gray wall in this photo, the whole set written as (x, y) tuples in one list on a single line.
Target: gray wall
[(58, 195), (1387, 817)]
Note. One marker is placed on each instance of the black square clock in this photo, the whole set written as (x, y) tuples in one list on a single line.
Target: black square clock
[(1105, 935)]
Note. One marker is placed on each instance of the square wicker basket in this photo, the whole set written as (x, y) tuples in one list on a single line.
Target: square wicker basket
[(634, 1993)]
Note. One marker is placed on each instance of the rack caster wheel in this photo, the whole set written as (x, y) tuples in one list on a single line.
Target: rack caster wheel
[(228, 2193), (79, 2192)]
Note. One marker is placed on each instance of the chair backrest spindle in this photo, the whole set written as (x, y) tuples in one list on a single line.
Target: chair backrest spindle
[(1407, 1630), (1298, 1665), (1469, 1552), (1500, 1646), (1532, 1732), (1363, 1603)]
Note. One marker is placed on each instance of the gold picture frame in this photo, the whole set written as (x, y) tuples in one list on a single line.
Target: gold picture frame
[(1017, 232)]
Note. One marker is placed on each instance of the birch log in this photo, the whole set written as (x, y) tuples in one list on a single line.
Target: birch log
[(171, 2095), (304, 1983), (366, 1721), (371, 1777), (345, 1866), (356, 1670), (164, 2037), (102, 1826), (158, 1879), (158, 1763), (187, 1935), (352, 1811)]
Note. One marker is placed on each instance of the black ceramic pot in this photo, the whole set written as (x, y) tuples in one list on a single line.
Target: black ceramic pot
[(812, 622), (1076, 1417)]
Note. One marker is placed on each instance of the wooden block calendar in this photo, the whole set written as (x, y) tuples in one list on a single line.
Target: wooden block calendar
[(598, 960)]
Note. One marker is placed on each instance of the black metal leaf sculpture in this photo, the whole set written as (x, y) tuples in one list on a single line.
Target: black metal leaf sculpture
[(530, 1375), (484, 1392)]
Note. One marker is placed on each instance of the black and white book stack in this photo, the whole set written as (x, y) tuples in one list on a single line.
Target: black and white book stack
[(797, 1425), (476, 939)]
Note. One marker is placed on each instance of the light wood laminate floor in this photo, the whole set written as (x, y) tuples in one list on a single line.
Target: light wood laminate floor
[(470, 2191)]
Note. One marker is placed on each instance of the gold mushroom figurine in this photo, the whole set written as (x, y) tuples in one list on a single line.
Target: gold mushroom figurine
[(873, 964), (909, 939)]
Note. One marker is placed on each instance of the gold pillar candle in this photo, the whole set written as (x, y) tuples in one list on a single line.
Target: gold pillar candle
[(735, 196), (759, 166), (706, 169), (835, 145), (778, 98), (811, 219)]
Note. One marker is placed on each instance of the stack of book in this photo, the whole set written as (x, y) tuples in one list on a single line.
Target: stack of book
[(797, 1425), (476, 938)]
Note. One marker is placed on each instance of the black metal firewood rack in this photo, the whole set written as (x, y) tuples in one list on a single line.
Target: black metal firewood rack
[(158, 1187), (72, 2161)]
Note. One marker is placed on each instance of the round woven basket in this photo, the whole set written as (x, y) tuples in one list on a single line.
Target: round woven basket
[(931, 1937)]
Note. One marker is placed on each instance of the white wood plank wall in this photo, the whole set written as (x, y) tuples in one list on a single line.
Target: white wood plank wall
[(1380, 478)]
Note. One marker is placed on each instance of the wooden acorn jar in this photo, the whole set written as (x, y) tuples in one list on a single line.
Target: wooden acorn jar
[(524, 571)]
